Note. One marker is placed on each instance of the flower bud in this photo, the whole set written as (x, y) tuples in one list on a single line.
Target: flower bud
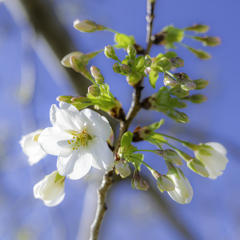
[(64, 99), (197, 98), (177, 62), (97, 75), (85, 25), (169, 81), (181, 117), (125, 69), (122, 168), (200, 83), (94, 90), (170, 156), (148, 62), (110, 52), (199, 28), (138, 182), (164, 183), (178, 92), (198, 167), (181, 76), (80, 56), (131, 52), (209, 41), (130, 63), (116, 67), (200, 54), (183, 191), (133, 79), (187, 85)]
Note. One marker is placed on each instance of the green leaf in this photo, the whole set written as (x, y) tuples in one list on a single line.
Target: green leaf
[(170, 55), (158, 138), (126, 140), (153, 77), (135, 159), (155, 126), (123, 41)]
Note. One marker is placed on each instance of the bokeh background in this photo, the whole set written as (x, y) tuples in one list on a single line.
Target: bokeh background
[(31, 78)]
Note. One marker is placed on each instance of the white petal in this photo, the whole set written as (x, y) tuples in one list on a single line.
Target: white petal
[(67, 106), (66, 119), (82, 164), (217, 147), (96, 124), (102, 155), (67, 150), (183, 192), (52, 140), (65, 165), (36, 158), (56, 201)]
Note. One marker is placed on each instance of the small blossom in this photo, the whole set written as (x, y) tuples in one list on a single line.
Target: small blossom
[(213, 156), (183, 191), (122, 168), (50, 189), (78, 139), (31, 147), (138, 182)]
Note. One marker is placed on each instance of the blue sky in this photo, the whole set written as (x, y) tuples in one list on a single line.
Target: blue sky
[(25, 64)]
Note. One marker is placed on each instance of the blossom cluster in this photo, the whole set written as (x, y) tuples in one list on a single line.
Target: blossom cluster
[(81, 138)]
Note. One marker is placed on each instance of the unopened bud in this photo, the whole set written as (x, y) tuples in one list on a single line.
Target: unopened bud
[(170, 156), (80, 56), (85, 25), (147, 62), (181, 76), (138, 182), (130, 63), (187, 85), (169, 81), (64, 98), (125, 69), (200, 83), (198, 167), (116, 67), (182, 117), (178, 92), (131, 51), (200, 28), (200, 54), (110, 52), (197, 98), (164, 183), (133, 79), (177, 62), (209, 41), (97, 75), (94, 90), (122, 168)]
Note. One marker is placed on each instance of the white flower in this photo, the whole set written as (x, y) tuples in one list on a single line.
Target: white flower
[(213, 156), (78, 139), (50, 189), (183, 191), (31, 147)]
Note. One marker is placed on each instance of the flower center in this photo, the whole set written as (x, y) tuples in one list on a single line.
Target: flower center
[(79, 139)]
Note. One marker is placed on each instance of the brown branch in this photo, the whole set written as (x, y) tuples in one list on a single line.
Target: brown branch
[(124, 125)]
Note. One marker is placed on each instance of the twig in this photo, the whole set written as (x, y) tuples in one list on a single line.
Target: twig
[(124, 125)]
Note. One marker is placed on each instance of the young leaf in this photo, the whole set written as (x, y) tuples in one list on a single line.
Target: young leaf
[(123, 41), (153, 77), (155, 126), (126, 140)]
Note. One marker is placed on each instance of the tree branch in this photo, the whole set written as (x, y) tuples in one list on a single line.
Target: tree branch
[(124, 125)]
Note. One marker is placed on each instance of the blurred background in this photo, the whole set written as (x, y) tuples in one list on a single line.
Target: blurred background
[(34, 36)]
